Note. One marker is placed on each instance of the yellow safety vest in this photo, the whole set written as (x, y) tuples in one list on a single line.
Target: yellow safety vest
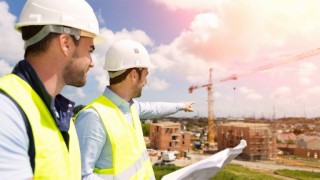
[(130, 159), (53, 161)]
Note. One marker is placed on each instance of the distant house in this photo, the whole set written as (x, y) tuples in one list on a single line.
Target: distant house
[(148, 121), (313, 143), (308, 146), (197, 135), (298, 125), (286, 149), (308, 142), (230, 119), (301, 141), (290, 138), (311, 126)]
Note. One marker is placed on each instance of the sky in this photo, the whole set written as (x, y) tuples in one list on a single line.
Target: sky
[(187, 38)]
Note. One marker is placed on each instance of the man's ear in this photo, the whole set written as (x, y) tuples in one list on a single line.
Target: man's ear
[(133, 74), (65, 43)]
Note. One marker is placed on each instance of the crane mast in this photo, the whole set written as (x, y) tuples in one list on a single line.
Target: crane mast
[(210, 110), (209, 86)]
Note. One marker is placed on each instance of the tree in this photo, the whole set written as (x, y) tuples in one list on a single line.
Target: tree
[(146, 129), (297, 131)]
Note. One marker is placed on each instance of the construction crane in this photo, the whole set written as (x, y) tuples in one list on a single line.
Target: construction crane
[(209, 86)]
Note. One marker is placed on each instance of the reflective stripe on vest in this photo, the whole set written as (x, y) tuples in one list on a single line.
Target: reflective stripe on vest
[(52, 159), (129, 172), (129, 156)]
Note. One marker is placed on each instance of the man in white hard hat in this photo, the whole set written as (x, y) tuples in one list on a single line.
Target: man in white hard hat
[(37, 138), (109, 128)]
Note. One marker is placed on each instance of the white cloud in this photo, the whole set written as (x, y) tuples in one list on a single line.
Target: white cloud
[(282, 94), (313, 92), (189, 4), (203, 25), (217, 95), (137, 35), (102, 80), (74, 93), (306, 70), (246, 90), (100, 17), (171, 58), (5, 68), (228, 33), (161, 62), (11, 48), (157, 84), (250, 94), (309, 96), (79, 93), (254, 97), (262, 30)]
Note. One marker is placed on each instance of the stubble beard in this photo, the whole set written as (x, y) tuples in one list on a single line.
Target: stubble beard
[(74, 75), (139, 92)]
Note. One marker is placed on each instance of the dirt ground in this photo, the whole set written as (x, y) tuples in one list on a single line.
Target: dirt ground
[(284, 160)]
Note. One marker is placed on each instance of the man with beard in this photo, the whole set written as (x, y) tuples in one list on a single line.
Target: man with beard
[(37, 138), (109, 128)]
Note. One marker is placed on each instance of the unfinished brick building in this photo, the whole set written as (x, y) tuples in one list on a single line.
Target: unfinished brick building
[(168, 136), (261, 142)]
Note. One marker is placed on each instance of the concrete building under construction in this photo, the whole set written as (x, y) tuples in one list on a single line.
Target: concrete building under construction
[(168, 136), (261, 142)]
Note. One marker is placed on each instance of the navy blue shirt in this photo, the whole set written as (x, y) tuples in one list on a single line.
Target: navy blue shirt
[(60, 107)]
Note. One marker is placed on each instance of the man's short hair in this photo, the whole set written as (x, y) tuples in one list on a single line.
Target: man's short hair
[(41, 46), (123, 76)]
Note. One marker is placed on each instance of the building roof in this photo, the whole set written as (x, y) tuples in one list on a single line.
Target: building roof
[(284, 145), (287, 136), (241, 124), (167, 123), (306, 138)]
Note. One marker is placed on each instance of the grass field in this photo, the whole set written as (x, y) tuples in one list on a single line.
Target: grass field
[(238, 172), (163, 170), (299, 174)]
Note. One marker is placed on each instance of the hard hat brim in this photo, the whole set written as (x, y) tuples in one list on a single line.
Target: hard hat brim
[(99, 39)]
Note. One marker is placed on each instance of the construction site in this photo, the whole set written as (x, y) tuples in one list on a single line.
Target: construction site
[(259, 136), (213, 137), (261, 141), (168, 136)]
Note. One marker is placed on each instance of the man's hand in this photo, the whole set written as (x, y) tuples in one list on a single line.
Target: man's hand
[(188, 106)]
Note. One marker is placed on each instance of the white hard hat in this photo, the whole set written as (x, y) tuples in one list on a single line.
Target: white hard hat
[(76, 14), (125, 54)]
